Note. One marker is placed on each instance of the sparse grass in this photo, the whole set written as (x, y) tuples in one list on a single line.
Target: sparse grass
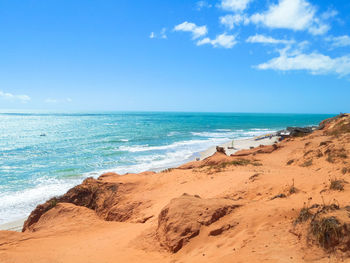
[(342, 153), (325, 143), (304, 215), (254, 176), (306, 212), (216, 168), (292, 189), (330, 159), (341, 128), (319, 154), (290, 162), (239, 162), (337, 185), (336, 153), (308, 152), (344, 170), (279, 196), (327, 231), (307, 163), (167, 170), (244, 162), (52, 203)]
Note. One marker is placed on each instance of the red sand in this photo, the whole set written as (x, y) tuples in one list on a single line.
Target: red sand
[(236, 209)]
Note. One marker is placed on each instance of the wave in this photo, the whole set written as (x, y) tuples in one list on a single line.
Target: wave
[(237, 134), (173, 133), (19, 204), (223, 130), (175, 145)]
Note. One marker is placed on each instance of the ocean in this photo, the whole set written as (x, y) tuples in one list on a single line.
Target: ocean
[(44, 154)]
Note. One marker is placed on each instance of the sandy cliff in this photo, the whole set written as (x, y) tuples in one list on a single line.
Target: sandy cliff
[(284, 203)]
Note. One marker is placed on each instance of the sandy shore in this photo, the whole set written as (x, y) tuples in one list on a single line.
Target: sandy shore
[(238, 145), (14, 225), (243, 144), (267, 204)]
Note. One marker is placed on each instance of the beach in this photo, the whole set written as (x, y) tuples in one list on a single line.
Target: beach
[(34, 168), (234, 146), (13, 226), (258, 205), (243, 144)]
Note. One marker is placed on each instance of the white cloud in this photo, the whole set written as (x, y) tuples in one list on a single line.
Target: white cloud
[(12, 97), (314, 63), (341, 41), (291, 14), (231, 20), (267, 40), (163, 33), (202, 4), (223, 40), (318, 28), (329, 14), (197, 31), (234, 5)]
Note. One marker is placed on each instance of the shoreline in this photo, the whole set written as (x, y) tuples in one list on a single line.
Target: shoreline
[(13, 225), (248, 207), (240, 144)]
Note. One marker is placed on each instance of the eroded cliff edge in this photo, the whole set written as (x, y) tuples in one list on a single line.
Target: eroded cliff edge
[(287, 202)]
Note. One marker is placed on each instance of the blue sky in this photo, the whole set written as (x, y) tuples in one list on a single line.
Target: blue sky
[(224, 55)]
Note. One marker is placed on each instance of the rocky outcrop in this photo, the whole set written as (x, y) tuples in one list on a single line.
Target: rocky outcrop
[(93, 194), (183, 218), (220, 149), (300, 131), (66, 217), (336, 126), (260, 149)]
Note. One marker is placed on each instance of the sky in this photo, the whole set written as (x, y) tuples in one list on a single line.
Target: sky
[(284, 56)]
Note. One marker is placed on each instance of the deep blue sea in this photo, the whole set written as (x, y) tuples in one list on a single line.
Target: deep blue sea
[(45, 154)]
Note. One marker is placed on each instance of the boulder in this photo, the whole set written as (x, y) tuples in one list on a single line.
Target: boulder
[(182, 219), (220, 149), (300, 131)]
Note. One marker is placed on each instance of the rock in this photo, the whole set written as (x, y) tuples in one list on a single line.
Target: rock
[(260, 149), (220, 149), (183, 218), (93, 194), (300, 131), (67, 217)]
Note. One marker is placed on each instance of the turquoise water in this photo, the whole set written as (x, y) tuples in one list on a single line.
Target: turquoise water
[(34, 168)]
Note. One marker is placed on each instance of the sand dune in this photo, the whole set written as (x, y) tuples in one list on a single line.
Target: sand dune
[(282, 203)]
